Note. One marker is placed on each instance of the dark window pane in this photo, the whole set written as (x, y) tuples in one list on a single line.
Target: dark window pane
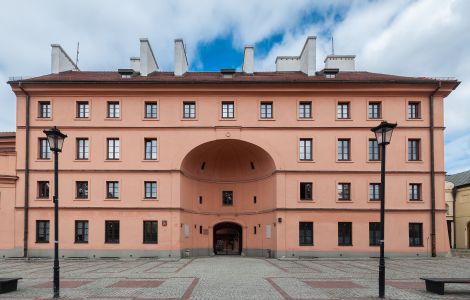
[(306, 191), (227, 197), (42, 231), (374, 233), (305, 233), (150, 232), (345, 234), (112, 232), (43, 189), (416, 234), (81, 231)]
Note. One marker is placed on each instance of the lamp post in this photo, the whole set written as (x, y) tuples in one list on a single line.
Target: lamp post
[(56, 141), (383, 134)]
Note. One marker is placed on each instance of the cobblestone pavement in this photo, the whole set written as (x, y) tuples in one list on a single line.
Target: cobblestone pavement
[(234, 278)]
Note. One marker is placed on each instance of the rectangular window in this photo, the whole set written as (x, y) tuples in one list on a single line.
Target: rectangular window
[(44, 109), (305, 110), (375, 110), (305, 233), (342, 111), (111, 232), (305, 149), (254, 229), (43, 189), (150, 190), (414, 110), (414, 192), (344, 234), (344, 191), (416, 234), (113, 148), (81, 231), (374, 234), (150, 149), (113, 109), (344, 149), (151, 110), (150, 232), (374, 150), (227, 197), (82, 190), (228, 110), (42, 231), (189, 110), (374, 191), (413, 149), (306, 191), (82, 149), (83, 109), (44, 149), (112, 189), (266, 110)]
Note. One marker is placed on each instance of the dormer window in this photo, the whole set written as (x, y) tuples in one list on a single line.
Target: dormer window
[(329, 75)]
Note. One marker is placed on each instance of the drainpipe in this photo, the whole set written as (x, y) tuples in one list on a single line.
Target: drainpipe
[(433, 179), (454, 227), (26, 174)]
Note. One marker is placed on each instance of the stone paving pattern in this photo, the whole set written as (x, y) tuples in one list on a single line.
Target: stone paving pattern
[(229, 277)]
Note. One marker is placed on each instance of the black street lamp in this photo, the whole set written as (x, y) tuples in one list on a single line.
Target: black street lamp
[(383, 134), (56, 141)]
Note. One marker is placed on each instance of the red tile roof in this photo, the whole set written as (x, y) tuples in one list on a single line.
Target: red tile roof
[(216, 77)]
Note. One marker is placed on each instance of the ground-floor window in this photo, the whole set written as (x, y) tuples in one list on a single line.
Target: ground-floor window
[(344, 233), (374, 233), (42, 231), (416, 234), (81, 231), (112, 232), (306, 233), (150, 232)]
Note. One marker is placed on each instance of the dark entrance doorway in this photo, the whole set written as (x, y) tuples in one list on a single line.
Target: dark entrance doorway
[(227, 239)]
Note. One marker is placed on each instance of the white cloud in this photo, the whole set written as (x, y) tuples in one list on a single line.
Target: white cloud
[(415, 38), (424, 37)]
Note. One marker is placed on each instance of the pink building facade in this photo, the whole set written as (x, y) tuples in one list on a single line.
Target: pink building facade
[(166, 164)]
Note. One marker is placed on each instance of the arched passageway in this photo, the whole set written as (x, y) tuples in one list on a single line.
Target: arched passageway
[(228, 239)]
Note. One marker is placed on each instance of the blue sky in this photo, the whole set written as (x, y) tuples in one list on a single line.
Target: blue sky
[(405, 37)]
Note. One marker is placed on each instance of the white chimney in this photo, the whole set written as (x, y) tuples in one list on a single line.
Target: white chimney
[(305, 62), (148, 63), (181, 60), (249, 60), (308, 56), (341, 62), (287, 63), (135, 64), (60, 61)]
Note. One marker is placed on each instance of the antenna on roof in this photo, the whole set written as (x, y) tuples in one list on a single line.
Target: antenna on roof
[(76, 58), (332, 46)]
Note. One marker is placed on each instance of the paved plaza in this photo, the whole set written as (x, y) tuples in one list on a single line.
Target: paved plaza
[(229, 277)]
